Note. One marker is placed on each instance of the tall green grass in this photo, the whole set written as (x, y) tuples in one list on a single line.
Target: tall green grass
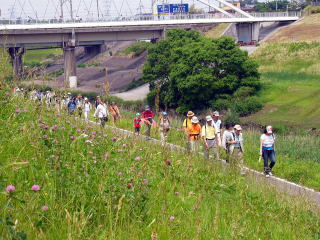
[(95, 187)]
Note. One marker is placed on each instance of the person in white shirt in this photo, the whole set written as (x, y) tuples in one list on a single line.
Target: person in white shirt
[(216, 122), (209, 136), (86, 108), (267, 150), (102, 113)]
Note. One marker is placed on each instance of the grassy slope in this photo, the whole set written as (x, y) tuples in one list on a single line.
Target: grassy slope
[(306, 29), (217, 30), (32, 56), (291, 76), (87, 199)]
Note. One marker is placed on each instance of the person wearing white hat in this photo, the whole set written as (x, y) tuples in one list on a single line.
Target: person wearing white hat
[(267, 150), (216, 122), (209, 136), (86, 108), (164, 127), (193, 132), (238, 149)]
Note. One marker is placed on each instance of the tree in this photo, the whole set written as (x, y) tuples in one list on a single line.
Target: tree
[(191, 71)]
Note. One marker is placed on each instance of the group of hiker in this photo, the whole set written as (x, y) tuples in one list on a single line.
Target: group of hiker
[(212, 136)]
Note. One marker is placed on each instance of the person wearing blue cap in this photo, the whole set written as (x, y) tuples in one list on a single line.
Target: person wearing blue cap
[(164, 126)]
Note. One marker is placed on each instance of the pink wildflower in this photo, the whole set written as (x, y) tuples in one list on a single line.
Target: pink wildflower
[(114, 139), (120, 150), (130, 185), (137, 159), (168, 162), (124, 145), (196, 207), (72, 137), (35, 188), (18, 111), (10, 188), (145, 181), (119, 173), (45, 136), (171, 218), (45, 208)]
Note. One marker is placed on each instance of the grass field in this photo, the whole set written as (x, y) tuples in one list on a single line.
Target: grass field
[(90, 184), (291, 76), (307, 29), (36, 57), (217, 30)]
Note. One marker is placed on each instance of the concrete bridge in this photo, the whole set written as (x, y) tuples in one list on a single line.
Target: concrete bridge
[(94, 35)]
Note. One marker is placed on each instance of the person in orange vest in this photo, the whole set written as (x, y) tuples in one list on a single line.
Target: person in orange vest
[(193, 132)]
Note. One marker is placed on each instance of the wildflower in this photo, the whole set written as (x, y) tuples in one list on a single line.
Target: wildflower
[(72, 137), (54, 127), (114, 139), (196, 207), (94, 157), (119, 173), (171, 218), (177, 193), (105, 135), (100, 226), (90, 152), (120, 150), (124, 145), (84, 131), (130, 185), (95, 161), (25, 110), (93, 133), (137, 159), (145, 181), (10, 188), (78, 130), (168, 162), (35, 188), (45, 208), (45, 127), (45, 136), (18, 111)]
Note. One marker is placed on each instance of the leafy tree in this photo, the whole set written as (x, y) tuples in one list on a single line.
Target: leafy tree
[(190, 71)]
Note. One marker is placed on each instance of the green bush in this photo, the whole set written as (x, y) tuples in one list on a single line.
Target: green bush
[(81, 65), (137, 48), (135, 83), (244, 107), (221, 104)]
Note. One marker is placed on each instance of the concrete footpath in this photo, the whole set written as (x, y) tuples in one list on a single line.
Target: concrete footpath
[(281, 185)]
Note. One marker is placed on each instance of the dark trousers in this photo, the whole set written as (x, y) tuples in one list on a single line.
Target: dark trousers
[(268, 154)]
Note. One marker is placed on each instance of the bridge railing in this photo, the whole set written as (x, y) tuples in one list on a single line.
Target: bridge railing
[(148, 17)]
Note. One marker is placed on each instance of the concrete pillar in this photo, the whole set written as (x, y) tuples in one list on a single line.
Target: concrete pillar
[(248, 32), (69, 64), (16, 54)]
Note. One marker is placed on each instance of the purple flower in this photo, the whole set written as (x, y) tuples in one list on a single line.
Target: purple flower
[(137, 159), (177, 193), (54, 127), (171, 218), (10, 188), (145, 181), (72, 137), (79, 130), (196, 207), (35, 188), (18, 111), (124, 145), (45, 208), (45, 127), (120, 150), (93, 133), (45, 136), (119, 173), (168, 162), (130, 185), (114, 139)]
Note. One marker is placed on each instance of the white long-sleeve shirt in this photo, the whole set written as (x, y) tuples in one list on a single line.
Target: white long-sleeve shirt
[(101, 111), (87, 106)]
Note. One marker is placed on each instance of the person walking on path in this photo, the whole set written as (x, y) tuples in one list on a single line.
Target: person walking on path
[(164, 127), (115, 112), (137, 124), (228, 140), (101, 113), (209, 136), (193, 132), (79, 102), (148, 115), (87, 109), (216, 122), (72, 106), (96, 102), (186, 123), (267, 150), (238, 149)]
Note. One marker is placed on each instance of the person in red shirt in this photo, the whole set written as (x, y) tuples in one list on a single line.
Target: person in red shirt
[(148, 115), (136, 124)]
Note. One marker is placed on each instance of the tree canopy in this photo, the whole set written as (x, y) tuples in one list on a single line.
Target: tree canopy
[(192, 71)]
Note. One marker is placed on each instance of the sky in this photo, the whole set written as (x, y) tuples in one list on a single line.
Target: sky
[(45, 9)]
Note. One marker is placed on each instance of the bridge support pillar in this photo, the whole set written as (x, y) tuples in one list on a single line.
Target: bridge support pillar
[(248, 32), (70, 72), (16, 54)]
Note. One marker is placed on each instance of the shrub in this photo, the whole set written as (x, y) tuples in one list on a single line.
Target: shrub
[(244, 107), (221, 104)]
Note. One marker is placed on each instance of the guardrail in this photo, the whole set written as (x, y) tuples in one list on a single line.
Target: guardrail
[(148, 17)]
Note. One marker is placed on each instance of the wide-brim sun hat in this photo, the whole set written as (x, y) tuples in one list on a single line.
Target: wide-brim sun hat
[(85, 98), (194, 119), (190, 114), (237, 127), (208, 118)]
